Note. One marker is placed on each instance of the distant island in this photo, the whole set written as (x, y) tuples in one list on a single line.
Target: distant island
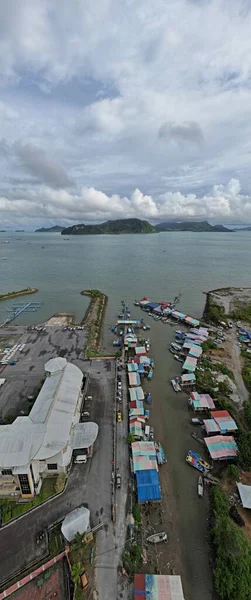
[(244, 228), (55, 229), (111, 227), (19, 231), (197, 226)]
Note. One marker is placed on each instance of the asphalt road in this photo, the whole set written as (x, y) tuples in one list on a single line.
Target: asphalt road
[(88, 484), (22, 379)]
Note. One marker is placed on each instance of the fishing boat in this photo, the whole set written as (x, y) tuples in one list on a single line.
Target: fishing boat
[(145, 327), (200, 487), (150, 374), (161, 457), (148, 398), (195, 421), (197, 462), (198, 438), (178, 358), (175, 346), (156, 538), (136, 303), (172, 350), (176, 385)]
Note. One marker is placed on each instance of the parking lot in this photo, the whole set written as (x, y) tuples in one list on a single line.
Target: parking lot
[(26, 374)]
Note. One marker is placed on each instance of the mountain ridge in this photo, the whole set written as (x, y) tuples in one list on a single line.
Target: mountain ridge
[(114, 227), (196, 226)]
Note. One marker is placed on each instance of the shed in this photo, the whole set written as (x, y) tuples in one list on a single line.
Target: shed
[(190, 364), (134, 379), (136, 393), (245, 494), (148, 486), (221, 447), (224, 421)]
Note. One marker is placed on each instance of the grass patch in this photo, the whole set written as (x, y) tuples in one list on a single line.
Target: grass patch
[(213, 312), (246, 374), (242, 313), (50, 487)]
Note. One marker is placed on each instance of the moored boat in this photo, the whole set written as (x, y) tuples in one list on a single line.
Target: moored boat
[(197, 462), (200, 487), (176, 385), (178, 358), (198, 438), (150, 374), (156, 538)]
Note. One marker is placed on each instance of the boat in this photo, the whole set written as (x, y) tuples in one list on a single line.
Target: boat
[(145, 327), (150, 374), (161, 457), (117, 343), (197, 462), (156, 538), (178, 358), (175, 346), (200, 487), (172, 350), (148, 398), (195, 421), (198, 438), (136, 303), (176, 385), (211, 479)]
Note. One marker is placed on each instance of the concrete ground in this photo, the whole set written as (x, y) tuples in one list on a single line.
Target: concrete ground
[(22, 379), (88, 484)]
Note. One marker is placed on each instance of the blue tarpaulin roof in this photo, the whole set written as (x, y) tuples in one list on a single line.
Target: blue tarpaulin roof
[(152, 304), (148, 485)]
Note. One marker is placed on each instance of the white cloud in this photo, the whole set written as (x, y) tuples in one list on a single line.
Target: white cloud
[(223, 203), (117, 96)]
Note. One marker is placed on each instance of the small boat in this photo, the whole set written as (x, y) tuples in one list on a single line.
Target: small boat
[(176, 385), (145, 327), (148, 398), (175, 346), (178, 358), (198, 438), (136, 303), (156, 538), (200, 487), (172, 350), (195, 421), (117, 343), (197, 462), (150, 374), (161, 457)]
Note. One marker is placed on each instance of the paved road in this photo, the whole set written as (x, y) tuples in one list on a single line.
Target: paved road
[(88, 484), (22, 378), (110, 543)]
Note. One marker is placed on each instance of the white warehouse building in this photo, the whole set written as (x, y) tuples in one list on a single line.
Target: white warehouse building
[(42, 444)]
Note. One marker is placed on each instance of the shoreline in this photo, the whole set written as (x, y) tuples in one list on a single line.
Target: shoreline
[(93, 320), (24, 292)]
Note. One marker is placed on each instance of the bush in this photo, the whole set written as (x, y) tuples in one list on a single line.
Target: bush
[(232, 572), (233, 473), (225, 370), (246, 374), (137, 514), (244, 446), (247, 412), (209, 345)]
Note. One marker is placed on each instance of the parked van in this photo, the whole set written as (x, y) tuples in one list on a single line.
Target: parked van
[(147, 431), (80, 458)]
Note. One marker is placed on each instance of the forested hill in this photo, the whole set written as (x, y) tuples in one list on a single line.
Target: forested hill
[(114, 227)]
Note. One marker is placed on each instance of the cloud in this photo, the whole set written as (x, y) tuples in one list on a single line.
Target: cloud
[(116, 97), (184, 133), (35, 161), (224, 203)]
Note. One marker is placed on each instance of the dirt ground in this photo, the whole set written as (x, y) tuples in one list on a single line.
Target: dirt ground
[(229, 354), (229, 298), (59, 319)]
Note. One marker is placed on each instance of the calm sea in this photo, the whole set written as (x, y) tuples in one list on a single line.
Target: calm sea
[(128, 267)]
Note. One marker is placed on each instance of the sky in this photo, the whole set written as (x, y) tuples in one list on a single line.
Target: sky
[(124, 108)]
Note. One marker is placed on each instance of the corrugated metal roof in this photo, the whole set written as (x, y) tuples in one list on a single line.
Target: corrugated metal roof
[(84, 435), (220, 447), (136, 393), (224, 421), (188, 377), (55, 364), (148, 485), (202, 400), (134, 379), (211, 426), (19, 442), (245, 494), (132, 367), (190, 364), (158, 587), (77, 521)]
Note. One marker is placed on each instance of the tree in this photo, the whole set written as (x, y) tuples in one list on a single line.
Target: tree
[(76, 572), (130, 438)]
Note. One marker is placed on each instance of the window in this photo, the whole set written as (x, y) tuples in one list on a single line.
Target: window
[(6, 472), (52, 467), (24, 484)]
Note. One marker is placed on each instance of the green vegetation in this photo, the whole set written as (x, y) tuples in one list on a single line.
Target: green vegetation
[(213, 312), (244, 448), (233, 473), (224, 369), (209, 345), (17, 293), (205, 383), (93, 320), (132, 557), (111, 227), (232, 552), (55, 229), (81, 561), (136, 514), (50, 487), (130, 438), (247, 412), (246, 374), (190, 226), (242, 313)]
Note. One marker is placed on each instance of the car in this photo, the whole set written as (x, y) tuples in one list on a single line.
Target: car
[(85, 414), (119, 399), (119, 417), (118, 481), (119, 384)]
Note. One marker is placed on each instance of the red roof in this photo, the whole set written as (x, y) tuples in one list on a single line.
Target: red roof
[(139, 586), (216, 414)]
